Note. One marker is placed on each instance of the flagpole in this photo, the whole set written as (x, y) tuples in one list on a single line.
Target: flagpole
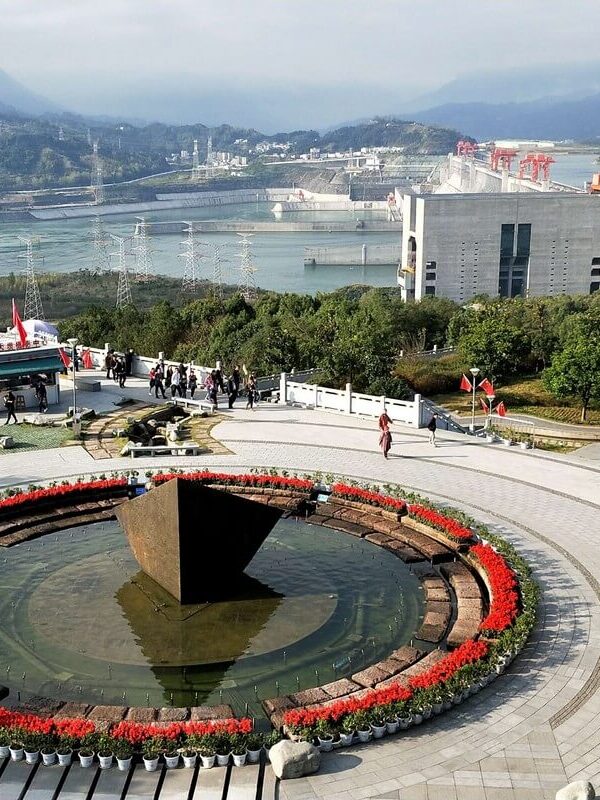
[(474, 372)]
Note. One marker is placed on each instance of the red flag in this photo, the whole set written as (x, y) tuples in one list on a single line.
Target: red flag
[(64, 358), (484, 405), (86, 358), (486, 386), (465, 384), (501, 409), (16, 321)]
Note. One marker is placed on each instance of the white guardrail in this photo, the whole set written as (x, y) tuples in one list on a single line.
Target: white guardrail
[(348, 402)]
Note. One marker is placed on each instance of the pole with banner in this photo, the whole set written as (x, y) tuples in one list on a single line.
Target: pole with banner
[(474, 372)]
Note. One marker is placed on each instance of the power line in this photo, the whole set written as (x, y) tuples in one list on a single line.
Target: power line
[(100, 242), (143, 251), (123, 289), (33, 301)]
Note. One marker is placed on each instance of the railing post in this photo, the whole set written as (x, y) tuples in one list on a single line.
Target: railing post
[(435, 348), (348, 398), (316, 398), (417, 411), (382, 401), (283, 388)]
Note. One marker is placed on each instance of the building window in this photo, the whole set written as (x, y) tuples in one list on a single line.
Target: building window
[(430, 264), (507, 239), (430, 276), (523, 240), (594, 287), (595, 272), (596, 261), (430, 290)]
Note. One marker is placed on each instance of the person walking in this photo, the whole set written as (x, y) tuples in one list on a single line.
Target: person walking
[(432, 428), (192, 383), (152, 377), (175, 381), (158, 384), (9, 405), (232, 391), (128, 362), (385, 441), (169, 377), (108, 364), (42, 396), (236, 379), (208, 385), (218, 376), (122, 373), (384, 420), (251, 389)]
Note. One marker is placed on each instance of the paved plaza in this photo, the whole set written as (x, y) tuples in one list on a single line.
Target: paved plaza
[(535, 728)]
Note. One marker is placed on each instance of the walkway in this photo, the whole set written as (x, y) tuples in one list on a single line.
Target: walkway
[(536, 727)]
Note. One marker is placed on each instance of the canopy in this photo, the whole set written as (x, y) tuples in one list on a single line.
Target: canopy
[(32, 366), (39, 326)]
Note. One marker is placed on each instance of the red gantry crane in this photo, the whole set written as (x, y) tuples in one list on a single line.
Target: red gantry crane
[(502, 157), (533, 164), (464, 148)]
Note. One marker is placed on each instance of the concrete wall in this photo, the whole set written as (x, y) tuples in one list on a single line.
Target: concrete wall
[(461, 233)]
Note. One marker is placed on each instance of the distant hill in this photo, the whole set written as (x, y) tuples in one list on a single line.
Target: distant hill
[(17, 99), (549, 118), (414, 137)]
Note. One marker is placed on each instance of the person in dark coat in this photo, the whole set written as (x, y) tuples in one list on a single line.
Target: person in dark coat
[(192, 383), (9, 405), (41, 396), (128, 362), (232, 390), (432, 428)]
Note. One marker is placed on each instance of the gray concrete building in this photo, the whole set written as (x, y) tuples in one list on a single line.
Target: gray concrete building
[(507, 244)]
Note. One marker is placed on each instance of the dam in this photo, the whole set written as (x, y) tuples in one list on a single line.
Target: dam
[(254, 226)]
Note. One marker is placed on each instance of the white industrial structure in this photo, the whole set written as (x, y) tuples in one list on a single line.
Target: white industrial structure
[(486, 231)]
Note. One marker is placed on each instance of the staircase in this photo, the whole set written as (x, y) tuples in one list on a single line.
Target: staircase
[(445, 421)]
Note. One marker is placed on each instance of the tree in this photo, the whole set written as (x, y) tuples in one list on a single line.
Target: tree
[(494, 343), (575, 369)]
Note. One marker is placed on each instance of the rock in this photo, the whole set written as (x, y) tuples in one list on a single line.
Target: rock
[(579, 790), (6, 442), (294, 759)]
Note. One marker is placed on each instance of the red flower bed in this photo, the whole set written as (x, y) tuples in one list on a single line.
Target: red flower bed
[(137, 732), (260, 481), (449, 526), (365, 496), (467, 653), (504, 607), (60, 491), (34, 724)]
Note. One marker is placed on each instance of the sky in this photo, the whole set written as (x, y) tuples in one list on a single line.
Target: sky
[(292, 59)]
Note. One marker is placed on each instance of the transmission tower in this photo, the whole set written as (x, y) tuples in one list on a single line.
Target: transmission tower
[(97, 179), (217, 275), (33, 302), (100, 242), (247, 269), (195, 161), (143, 261), (192, 256), (123, 290)]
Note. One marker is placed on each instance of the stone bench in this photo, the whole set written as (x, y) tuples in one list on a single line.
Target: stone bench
[(193, 404), (182, 449)]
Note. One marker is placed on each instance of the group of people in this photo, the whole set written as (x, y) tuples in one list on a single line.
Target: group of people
[(385, 435), (179, 381), (41, 395), (118, 367)]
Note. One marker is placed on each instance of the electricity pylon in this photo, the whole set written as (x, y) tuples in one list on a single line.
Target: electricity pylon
[(97, 178), (247, 269), (191, 256), (33, 301), (100, 242), (143, 251), (123, 290)]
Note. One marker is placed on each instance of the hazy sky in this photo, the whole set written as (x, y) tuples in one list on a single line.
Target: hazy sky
[(89, 54)]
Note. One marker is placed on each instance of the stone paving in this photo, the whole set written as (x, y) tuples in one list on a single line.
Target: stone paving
[(532, 730)]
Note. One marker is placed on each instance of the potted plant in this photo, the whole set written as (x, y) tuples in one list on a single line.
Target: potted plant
[(16, 748), (4, 743), (190, 756), (222, 749), (324, 735), (206, 749), (32, 742), (391, 718), (150, 754), (377, 722), (254, 743), (347, 730), (171, 755), (89, 743), (48, 751), (239, 750), (64, 750), (105, 751), (271, 739), (362, 724), (123, 752)]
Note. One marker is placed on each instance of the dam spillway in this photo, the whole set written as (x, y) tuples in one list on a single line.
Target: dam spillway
[(250, 226)]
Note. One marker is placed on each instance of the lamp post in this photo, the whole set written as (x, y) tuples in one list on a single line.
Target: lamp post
[(474, 372), (72, 344)]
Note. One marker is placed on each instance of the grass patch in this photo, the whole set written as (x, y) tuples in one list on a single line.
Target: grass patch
[(35, 437)]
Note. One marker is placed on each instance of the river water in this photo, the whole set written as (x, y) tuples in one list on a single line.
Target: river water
[(66, 245)]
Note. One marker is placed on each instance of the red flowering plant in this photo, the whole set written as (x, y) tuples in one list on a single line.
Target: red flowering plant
[(451, 527), (368, 497), (62, 491), (504, 585), (228, 479)]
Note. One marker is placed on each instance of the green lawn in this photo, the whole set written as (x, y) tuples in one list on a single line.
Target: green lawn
[(34, 437)]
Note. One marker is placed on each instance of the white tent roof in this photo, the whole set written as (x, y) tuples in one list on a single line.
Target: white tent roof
[(39, 326)]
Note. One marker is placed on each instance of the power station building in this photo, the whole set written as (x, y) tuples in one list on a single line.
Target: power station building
[(459, 245)]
